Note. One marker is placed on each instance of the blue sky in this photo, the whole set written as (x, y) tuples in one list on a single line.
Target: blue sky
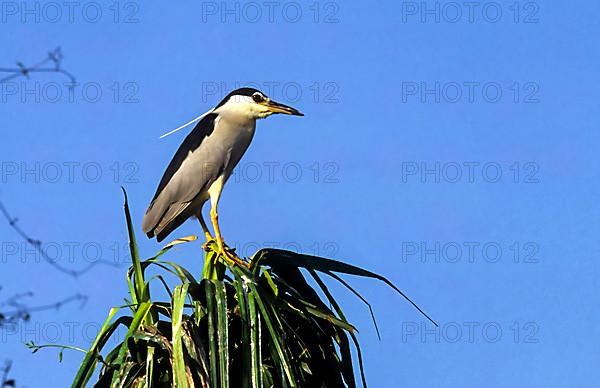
[(450, 149)]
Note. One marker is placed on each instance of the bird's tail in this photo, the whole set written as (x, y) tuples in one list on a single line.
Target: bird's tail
[(160, 223)]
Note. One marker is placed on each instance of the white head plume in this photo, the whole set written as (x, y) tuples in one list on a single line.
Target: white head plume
[(185, 125)]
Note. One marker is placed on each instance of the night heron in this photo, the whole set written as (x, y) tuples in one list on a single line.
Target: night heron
[(204, 162)]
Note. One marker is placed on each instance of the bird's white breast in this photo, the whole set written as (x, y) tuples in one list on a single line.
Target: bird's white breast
[(233, 134)]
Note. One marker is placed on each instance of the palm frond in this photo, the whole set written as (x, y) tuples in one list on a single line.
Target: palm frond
[(233, 327)]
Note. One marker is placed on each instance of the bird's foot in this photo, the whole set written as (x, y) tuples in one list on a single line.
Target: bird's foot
[(229, 255), (209, 239), (206, 245)]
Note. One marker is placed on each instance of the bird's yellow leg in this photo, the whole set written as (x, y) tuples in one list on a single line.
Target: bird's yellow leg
[(214, 192), (205, 228), (223, 249)]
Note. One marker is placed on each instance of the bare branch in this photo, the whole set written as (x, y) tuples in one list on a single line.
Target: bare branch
[(7, 382), (19, 311), (51, 64), (37, 244)]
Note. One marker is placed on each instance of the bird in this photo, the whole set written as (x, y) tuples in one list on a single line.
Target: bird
[(204, 162)]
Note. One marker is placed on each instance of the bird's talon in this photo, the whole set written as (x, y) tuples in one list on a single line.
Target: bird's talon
[(209, 240), (229, 256)]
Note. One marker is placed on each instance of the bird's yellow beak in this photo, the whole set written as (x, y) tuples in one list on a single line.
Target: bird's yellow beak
[(276, 107)]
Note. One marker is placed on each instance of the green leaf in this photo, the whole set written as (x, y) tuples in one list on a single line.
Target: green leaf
[(274, 257), (255, 343), (138, 319), (328, 317), (213, 268), (348, 286), (222, 333), (149, 367), (195, 350), (179, 367), (275, 338), (86, 369), (180, 240), (212, 334), (183, 274), (163, 282), (346, 361), (242, 303), (271, 283), (141, 293)]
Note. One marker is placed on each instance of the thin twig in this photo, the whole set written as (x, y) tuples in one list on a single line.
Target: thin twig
[(50, 306), (34, 348), (37, 244), (51, 64), (6, 382), (22, 312)]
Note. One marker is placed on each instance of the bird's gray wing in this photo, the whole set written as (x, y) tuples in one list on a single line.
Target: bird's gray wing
[(192, 142), (191, 171)]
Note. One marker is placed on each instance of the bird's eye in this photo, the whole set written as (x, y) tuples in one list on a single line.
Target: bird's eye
[(257, 97)]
